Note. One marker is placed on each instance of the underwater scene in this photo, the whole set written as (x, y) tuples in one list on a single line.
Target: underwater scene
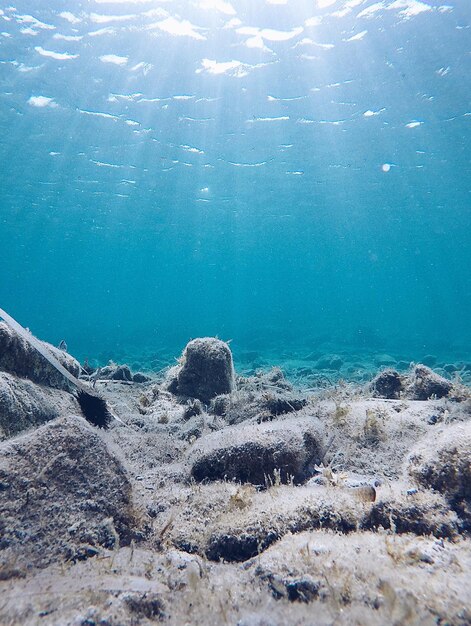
[(293, 176), (235, 304)]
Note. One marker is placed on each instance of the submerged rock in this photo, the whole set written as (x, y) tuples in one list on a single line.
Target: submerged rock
[(424, 384), (24, 404), (387, 384), (329, 362), (442, 461), (19, 358), (206, 370), (115, 372), (258, 454), (382, 360), (139, 377), (262, 405), (429, 360), (62, 496)]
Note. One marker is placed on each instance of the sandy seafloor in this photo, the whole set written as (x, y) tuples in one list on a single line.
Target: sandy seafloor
[(298, 498)]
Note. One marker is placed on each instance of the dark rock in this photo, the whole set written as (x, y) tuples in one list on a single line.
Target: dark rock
[(220, 405), (424, 384), (277, 404), (18, 357), (140, 378), (192, 408), (148, 605), (66, 495), (251, 532), (23, 404), (115, 372), (122, 372), (387, 384), (206, 370), (303, 589), (236, 548), (442, 461), (425, 516), (253, 453)]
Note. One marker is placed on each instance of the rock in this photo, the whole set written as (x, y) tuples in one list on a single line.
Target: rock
[(262, 405), (329, 362), (220, 405), (240, 546), (429, 360), (387, 384), (384, 360), (424, 383), (272, 380), (122, 372), (279, 404), (206, 370), (115, 372), (140, 378), (302, 589), (24, 404), (423, 514), (145, 605), (402, 365), (442, 461), (19, 358), (63, 494), (255, 453), (193, 407)]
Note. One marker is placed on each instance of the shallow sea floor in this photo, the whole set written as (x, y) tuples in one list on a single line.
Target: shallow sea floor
[(273, 504)]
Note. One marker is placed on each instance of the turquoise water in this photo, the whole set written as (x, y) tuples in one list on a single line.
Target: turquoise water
[(285, 174)]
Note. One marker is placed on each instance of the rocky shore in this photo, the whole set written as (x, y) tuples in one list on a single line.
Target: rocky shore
[(214, 497)]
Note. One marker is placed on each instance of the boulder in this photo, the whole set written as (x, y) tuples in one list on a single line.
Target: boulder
[(206, 370), (258, 453), (63, 495), (424, 384), (442, 461), (18, 357), (387, 384), (24, 404)]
